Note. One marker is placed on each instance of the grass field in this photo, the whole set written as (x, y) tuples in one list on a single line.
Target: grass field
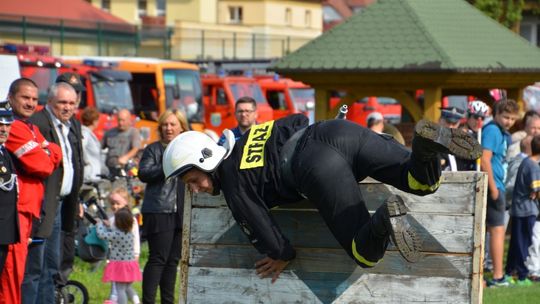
[(90, 276), (99, 291)]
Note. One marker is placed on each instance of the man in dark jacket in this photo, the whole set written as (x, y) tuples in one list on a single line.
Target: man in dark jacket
[(283, 161), (60, 206), (8, 188)]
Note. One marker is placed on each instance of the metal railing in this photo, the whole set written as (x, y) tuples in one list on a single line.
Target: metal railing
[(176, 43)]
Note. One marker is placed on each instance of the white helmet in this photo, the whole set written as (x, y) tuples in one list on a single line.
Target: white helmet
[(195, 149), (479, 108)]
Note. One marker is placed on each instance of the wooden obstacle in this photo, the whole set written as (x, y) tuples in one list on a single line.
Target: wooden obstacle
[(217, 263)]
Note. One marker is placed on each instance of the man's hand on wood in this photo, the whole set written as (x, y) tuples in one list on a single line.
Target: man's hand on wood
[(269, 267)]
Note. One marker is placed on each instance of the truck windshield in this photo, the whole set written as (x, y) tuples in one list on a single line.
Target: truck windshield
[(252, 90), (44, 77), (111, 96), (304, 99), (183, 91)]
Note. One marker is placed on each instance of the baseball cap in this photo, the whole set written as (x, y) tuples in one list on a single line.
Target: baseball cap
[(73, 79), (452, 114), (6, 114)]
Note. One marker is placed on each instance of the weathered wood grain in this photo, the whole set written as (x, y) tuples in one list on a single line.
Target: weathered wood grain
[(214, 285), (316, 261), (477, 278), (452, 197), (184, 258), (441, 233), (218, 266)]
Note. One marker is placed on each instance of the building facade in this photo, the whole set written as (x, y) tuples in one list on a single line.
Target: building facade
[(219, 29)]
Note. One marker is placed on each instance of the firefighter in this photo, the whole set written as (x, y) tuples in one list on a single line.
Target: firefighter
[(35, 159), (283, 161)]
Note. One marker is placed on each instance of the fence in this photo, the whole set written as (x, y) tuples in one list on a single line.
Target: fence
[(222, 45)]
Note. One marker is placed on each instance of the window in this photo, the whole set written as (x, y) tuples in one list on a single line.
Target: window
[(276, 99), (141, 6), (288, 16), (221, 97), (161, 7), (235, 14), (307, 18), (106, 5)]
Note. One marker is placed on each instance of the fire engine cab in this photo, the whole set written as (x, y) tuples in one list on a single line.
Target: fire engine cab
[(220, 93), (36, 63), (287, 96)]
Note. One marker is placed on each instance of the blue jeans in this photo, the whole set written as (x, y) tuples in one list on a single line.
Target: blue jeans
[(42, 265)]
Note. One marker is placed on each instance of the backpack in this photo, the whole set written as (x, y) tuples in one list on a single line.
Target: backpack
[(90, 248)]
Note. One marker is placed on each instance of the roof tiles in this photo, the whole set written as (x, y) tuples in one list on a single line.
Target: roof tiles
[(416, 35)]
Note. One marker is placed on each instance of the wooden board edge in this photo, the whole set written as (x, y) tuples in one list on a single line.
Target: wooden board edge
[(477, 282), (184, 258)]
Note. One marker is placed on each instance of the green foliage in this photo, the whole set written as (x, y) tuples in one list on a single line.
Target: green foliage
[(506, 12)]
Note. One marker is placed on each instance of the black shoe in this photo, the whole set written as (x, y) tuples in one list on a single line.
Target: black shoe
[(402, 234), (430, 138)]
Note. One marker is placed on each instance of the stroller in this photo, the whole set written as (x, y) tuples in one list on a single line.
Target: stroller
[(90, 248)]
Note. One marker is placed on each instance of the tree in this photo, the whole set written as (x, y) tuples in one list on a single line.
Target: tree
[(506, 12)]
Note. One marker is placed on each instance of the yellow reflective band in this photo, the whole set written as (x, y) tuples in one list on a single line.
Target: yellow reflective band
[(416, 185), (360, 258), (253, 155), (536, 184)]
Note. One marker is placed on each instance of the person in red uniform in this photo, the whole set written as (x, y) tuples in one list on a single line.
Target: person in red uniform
[(35, 159)]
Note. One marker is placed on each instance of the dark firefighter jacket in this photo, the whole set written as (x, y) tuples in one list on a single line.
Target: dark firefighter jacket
[(250, 179)]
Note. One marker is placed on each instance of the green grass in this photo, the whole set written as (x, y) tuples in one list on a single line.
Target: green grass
[(512, 295), (90, 276), (99, 291)]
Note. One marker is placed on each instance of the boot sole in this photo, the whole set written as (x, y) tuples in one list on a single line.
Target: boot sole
[(449, 141), (403, 235)]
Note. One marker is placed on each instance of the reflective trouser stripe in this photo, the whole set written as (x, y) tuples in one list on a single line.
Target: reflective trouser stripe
[(360, 258), (416, 185)]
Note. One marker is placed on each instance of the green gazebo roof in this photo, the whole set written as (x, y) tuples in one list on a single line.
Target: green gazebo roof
[(416, 35)]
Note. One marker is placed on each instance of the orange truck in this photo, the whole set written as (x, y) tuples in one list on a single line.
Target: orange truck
[(220, 95), (287, 96), (157, 85)]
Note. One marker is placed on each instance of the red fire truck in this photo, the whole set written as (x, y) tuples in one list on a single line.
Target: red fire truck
[(220, 93), (35, 63), (287, 96)]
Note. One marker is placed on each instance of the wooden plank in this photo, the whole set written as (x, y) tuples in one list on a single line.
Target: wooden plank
[(332, 261), (451, 221), (477, 283), (214, 285), (441, 233), (375, 289), (449, 199), (184, 258)]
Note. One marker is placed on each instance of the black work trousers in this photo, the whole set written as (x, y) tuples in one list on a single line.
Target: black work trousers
[(329, 161), (161, 268)]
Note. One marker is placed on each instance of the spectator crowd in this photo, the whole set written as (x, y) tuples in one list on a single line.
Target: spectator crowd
[(47, 155)]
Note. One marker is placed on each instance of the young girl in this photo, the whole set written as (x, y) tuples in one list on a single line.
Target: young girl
[(122, 269), (118, 199)]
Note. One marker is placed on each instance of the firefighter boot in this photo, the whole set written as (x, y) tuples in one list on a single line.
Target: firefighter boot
[(391, 219), (431, 138)]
